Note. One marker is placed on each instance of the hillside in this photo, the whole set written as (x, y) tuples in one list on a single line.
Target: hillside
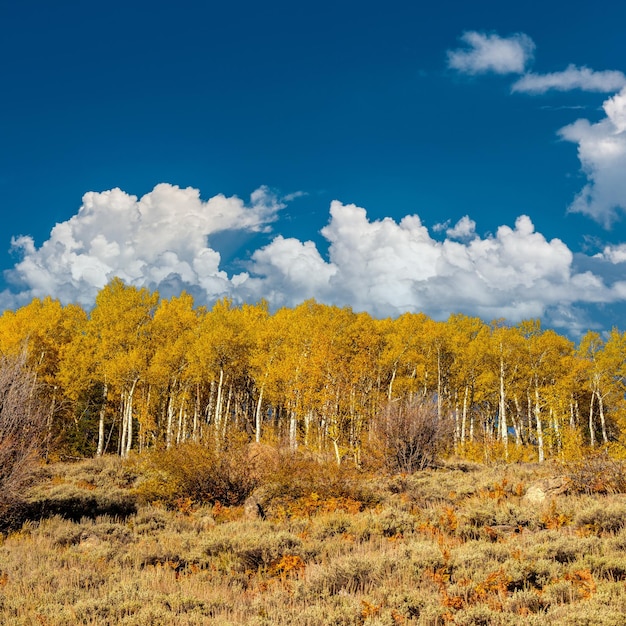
[(457, 544)]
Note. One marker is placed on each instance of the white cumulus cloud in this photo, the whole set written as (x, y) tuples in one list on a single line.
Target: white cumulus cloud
[(388, 267), (465, 228), (602, 154), (572, 77), (492, 53), (143, 241), (382, 266), (613, 254)]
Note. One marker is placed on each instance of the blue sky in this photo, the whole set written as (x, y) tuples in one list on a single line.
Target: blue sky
[(459, 157)]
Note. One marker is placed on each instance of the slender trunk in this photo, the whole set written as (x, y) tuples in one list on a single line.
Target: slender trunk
[(592, 434), (518, 424), (129, 418), (293, 429), (209, 407), (439, 390), (198, 406), (170, 416), (185, 422), (337, 453), (457, 422), (226, 416), (464, 415), (123, 426), (605, 439), (504, 433), (218, 405), (539, 424), (257, 415), (390, 389), (100, 448), (557, 430), (196, 410), (179, 429), (308, 418), (143, 436)]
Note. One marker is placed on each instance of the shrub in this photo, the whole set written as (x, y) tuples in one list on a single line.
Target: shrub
[(22, 432), (74, 504), (301, 485), (611, 567), (603, 518), (412, 435), (198, 473), (257, 552), (349, 574), (597, 473)]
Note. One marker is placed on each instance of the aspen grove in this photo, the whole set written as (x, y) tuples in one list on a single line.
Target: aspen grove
[(139, 372)]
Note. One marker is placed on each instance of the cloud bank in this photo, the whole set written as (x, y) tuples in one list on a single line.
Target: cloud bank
[(162, 241)]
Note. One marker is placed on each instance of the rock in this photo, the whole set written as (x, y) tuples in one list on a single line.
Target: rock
[(252, 508), (541, 490)]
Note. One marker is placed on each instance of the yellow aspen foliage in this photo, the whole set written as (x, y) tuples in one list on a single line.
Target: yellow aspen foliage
[(140, 372)]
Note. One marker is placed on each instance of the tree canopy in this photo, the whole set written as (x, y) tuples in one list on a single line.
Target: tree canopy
[(139, 372)]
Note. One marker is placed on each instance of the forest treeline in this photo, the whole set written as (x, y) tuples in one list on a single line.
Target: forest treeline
[(139, 372)]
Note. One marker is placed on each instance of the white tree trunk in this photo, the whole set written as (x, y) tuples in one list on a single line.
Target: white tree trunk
[(100, 449), (504, 433), (539, 425)]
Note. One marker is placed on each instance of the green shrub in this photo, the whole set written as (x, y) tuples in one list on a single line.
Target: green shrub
[(607, 567), (524, 602), (603, 518), (259, 552), (392, 523), (349, 574), (334, 524)]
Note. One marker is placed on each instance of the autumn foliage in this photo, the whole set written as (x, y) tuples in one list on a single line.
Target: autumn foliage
[(140, 373)]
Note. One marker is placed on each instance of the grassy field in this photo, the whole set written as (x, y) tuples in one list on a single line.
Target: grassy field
[(462, 544)]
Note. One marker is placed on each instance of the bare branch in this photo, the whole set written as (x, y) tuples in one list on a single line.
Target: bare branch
[(22, 431), (412, 434)]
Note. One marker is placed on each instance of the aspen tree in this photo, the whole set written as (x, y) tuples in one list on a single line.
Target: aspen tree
[(606, 363), (544, 358), (118, 336), (467, 341), (173, 329), (42, 330)]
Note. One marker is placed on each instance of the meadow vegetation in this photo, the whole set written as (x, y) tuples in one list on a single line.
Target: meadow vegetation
[(171, 538)]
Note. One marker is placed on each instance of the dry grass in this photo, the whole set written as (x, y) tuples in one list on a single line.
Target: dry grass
[(457, 545)]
